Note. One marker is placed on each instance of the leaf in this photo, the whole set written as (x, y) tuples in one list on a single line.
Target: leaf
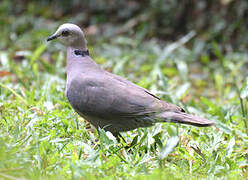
[(172, 130), (214, 109), (15, 93), (218, 52), (110, 136), (219, 82), (170, 48), (37, 53), (182, 90), (182, 69), (135, 140), (35, 56), (170, 145), (4, 61), (244, 90), (230, 147), (48, 67), (224, 127)]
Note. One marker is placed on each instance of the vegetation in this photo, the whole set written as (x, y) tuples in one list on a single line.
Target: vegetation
[(41, 137)]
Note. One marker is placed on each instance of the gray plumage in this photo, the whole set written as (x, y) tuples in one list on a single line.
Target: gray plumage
[(110, 101)]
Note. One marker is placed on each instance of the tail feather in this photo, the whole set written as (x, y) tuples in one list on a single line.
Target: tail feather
[(183, 118)]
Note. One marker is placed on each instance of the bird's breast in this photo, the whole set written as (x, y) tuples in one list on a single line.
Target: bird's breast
[(82, 97)]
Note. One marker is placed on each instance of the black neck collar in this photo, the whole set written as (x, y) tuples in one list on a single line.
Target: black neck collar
[(81, 52)]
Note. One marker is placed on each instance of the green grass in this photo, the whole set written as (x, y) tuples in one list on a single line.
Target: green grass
[(41, 137)]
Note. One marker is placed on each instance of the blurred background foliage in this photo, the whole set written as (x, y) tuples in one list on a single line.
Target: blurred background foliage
[(189, 52), (221, 21)]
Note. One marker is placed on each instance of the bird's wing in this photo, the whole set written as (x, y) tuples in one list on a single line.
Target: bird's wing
[(108, 96), (158, 104), (131, 84), (121, 106)]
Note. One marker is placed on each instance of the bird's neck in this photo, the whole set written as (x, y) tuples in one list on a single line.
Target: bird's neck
[(78, 65), (75, 52), (79, 43), (78, 60), (82, 47), (74, 58)]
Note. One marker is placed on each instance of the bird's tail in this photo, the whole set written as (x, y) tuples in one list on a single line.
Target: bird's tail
[(183, 118)]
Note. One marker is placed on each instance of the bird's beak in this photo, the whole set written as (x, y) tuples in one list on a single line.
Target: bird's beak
[(54, 36)]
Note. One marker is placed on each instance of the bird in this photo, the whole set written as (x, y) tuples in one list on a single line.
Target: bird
[(109, 101)]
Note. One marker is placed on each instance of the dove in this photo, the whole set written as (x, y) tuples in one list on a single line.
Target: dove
[(109, 101)]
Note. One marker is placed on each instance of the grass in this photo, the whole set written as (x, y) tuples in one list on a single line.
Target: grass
[(41, 137)]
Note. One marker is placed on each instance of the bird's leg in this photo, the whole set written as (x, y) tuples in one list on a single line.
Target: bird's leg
[(118, 136)]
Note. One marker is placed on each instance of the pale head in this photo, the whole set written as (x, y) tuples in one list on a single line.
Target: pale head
[(70, 35)]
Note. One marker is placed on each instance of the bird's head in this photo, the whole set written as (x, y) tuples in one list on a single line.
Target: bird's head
[(70, 35)]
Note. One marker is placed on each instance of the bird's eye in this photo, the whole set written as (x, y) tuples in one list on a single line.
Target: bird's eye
[(65, 33)]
